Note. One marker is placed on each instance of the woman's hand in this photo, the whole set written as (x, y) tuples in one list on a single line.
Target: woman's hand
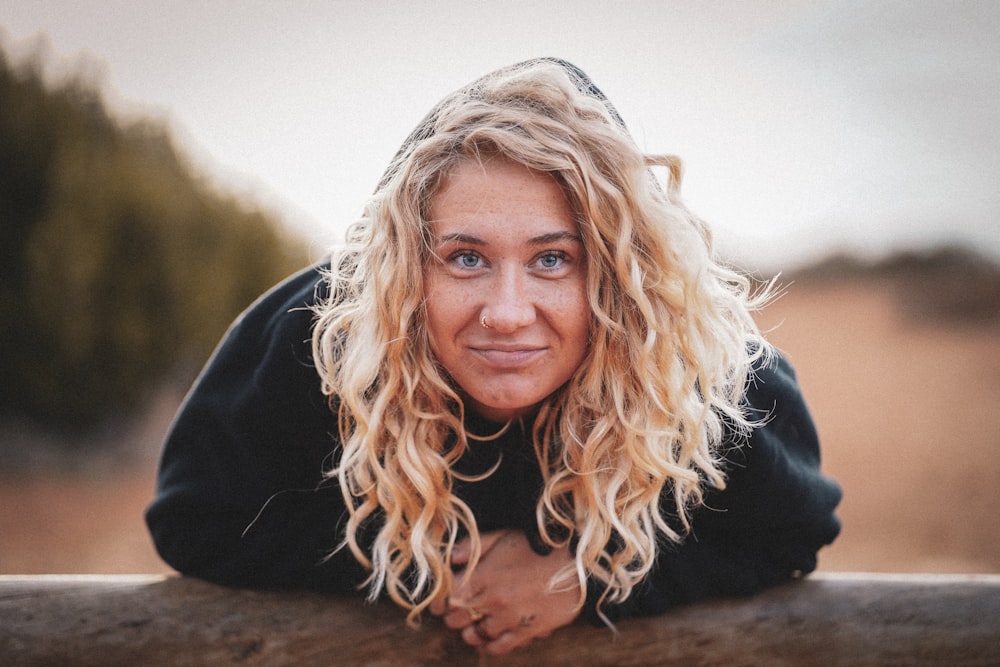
[(506, 602)]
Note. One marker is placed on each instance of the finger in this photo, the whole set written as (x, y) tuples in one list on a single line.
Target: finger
[(462, 617), (475, 634), (507, 642), (465, 592), (459, 613), (484, 636), (461, 552), (457, 619), (439, 606)]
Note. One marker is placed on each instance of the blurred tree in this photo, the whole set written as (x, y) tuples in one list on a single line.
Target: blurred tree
[(947, 284), (120, 265)]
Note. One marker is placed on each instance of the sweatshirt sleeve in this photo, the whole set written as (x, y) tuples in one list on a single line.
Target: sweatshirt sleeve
[(241, 498), (765, 527)]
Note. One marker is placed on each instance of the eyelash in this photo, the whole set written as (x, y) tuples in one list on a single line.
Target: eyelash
[(561, 256), (458, 257)]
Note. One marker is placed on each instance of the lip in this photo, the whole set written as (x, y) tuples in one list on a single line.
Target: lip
[(508, 356)]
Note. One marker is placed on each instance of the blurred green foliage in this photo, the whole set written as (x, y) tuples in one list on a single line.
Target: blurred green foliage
[(120, 264)]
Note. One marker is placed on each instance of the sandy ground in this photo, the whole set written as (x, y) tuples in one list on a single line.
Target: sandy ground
[(907, 414)]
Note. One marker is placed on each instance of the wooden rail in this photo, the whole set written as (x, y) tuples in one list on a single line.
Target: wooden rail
[(827, 619)]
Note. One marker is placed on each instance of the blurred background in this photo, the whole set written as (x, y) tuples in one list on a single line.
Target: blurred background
[(162, 164)]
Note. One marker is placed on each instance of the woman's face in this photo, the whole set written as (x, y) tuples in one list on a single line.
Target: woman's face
[(507, 252)]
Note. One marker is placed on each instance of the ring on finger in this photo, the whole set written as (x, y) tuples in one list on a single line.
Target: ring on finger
[(475, 615)]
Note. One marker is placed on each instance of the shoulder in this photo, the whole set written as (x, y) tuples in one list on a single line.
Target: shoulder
[(776, 403), (270, 344), (779, 464), (772, 377)]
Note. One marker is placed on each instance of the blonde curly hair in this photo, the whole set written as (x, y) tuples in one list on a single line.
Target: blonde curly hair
[(627, 448)]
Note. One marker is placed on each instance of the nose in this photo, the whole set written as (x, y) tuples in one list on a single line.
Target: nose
[(510, 304)]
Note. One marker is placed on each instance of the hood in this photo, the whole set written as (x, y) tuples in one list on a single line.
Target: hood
[(425, 128)]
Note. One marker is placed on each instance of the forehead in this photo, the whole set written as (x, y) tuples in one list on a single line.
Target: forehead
[(498, 191)]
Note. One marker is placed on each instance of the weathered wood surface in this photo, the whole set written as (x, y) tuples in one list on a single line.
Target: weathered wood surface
[(830, 619)]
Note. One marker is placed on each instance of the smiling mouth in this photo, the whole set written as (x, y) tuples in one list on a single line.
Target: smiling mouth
[(508, 357)]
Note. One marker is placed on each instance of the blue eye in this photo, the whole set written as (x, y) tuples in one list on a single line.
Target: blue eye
[(468, 260), (551, 260)]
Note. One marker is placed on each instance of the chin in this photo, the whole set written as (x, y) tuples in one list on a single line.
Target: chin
[(503, 411)]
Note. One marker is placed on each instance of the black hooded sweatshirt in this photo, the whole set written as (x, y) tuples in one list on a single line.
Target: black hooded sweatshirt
[(241, 499)]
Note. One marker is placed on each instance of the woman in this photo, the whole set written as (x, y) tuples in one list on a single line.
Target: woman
[(523, 391)]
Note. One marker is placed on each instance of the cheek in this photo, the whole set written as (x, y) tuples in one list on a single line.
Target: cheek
[(435, 327), (432, 305), (444, 314), (579, 315)]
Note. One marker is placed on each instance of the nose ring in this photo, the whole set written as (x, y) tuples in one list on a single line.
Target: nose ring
[(482, 321)]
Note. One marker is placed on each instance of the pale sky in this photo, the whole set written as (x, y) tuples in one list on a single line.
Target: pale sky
[(805, 126)]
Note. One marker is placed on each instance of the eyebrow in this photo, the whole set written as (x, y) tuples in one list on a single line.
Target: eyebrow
[(544, 239)]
